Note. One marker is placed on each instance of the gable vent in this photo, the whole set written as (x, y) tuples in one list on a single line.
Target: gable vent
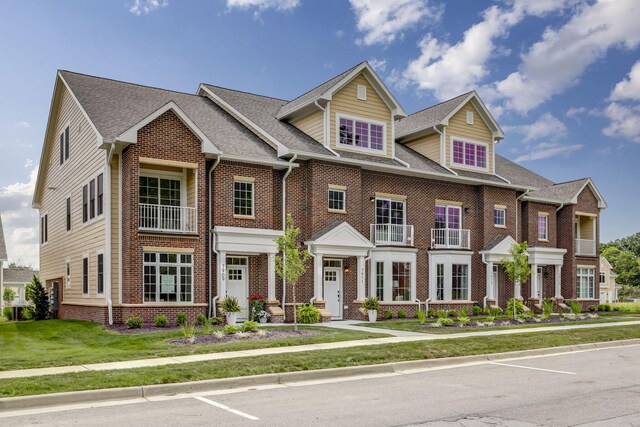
[(362, 92), (469, 117)]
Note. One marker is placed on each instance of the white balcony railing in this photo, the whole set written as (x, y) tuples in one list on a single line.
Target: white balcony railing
[(450, 238), (585, 247), (168, 219), (392, 234)]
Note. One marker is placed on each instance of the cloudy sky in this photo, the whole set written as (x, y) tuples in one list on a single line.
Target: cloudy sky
[(561, 76)]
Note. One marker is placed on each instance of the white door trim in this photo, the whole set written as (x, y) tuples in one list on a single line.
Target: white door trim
[(340, 314)]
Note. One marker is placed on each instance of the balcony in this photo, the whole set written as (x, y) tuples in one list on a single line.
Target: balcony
[(168, 219), (392, 234), (450, 238), (585, 247)]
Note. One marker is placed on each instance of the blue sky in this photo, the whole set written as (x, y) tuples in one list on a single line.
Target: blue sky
[(562, 77)]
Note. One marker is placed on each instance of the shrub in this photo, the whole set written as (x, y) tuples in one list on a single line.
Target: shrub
[(371, 303), (249, 326), (495, 311), (442, 314), (431, 313), (576, 307), (515, 304), (452, 313), (308, 314), (464, 312), (231, 329), (604, 307), (37, 294), (486, 311), (218, 334), (28, 312), (188, 329), (617, 308), (201, 319), (8, 313), (388, 314), (257, 304), (134, 322), (402, 314), (181, 318), (161, 321), (445, 321), (415, 314), (216, 321), (206, 328), (477, 310), (463, 320), (8, 295), (422, 318), (593, 308), (547, 308)]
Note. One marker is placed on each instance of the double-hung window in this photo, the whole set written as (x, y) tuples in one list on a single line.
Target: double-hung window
[(390, 220), (361, 134), (337, 198), (469, 154), (64, 145), (44, 228), (393, 276), (85, 275), (584, 283), (168, 277), (499, 216), (100, 276), (68, 217), (543, 226), (92, 200), (243, 197), (602, 278), (450, 277)]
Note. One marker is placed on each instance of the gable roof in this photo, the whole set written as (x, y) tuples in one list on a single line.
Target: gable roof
[(3, 246), (440, 114), (339, 234), (326, 90), (566, 192), (18, 275)]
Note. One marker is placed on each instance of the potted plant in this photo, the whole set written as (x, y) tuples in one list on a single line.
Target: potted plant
[(257, 304), (262, 316), (231, 308), (372, 305)]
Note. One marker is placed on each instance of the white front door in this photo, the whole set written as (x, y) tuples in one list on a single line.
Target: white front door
[(333, 291), (237, 286), (540, 284)]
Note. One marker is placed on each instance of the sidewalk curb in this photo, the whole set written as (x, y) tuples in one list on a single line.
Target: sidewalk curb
[(125, 393)]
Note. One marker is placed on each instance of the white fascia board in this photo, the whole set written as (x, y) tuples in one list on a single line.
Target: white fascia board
[(601, 203), (484, 112), (542, 200), (282, 149), (35, 202), (275, 163), (131, 134)]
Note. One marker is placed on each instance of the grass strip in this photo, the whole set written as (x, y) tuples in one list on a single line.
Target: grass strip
[(320, 359)]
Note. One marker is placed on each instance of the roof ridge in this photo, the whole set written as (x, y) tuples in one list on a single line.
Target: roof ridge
[(573, 180), (245, 92), (440, 103), (131, 83)]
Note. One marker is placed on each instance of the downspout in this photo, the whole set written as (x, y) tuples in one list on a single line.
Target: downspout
[(517, 200), (326, 131), (284, 226), (443, 162), (426, 305), (315, 296), (486, 296), (107, 249), (212, 303), (560, 207)]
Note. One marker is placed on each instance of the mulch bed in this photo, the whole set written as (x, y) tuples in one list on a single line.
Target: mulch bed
[(505, 322), (251, 336), (145, 329)]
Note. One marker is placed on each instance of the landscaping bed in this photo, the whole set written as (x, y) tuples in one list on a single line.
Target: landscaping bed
[(272, 334)]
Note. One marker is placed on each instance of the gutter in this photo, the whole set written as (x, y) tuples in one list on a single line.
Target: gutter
[(107, 249), (212, 301), (326, 131), (560, 207), (517, 200), (284, 226), (442, 154)]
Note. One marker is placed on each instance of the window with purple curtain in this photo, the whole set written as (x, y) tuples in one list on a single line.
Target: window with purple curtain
[(469, 154), (346, 131), (543, 222), (362, 134), (376, 137), (441, 217), (481, 156), (458, 155)]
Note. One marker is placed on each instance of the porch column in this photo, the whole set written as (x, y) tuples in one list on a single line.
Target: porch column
[(271, 279), (222, 274), (317, 274), (361, 290), (490, 284), (558, 281), (518, 290), (534, 281)]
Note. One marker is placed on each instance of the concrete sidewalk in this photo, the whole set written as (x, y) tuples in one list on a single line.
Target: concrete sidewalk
[(414, 337)]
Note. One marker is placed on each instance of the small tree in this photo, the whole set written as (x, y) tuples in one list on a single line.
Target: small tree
[(8, 296), (37, 294), (517, 267), (292, 264)]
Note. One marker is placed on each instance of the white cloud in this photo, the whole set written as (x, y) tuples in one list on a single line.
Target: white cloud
[(547, 127), (628, 88), (624, 121), (28, 164), (379, 65), (262, 5), (23, 125), (546, 150), (143, 7), (339, 34), (574, 112), (20, 221), (559, 59), (385, 21)]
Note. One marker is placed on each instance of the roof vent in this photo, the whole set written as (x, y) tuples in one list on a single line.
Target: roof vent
[(469, 117), (362, 92)]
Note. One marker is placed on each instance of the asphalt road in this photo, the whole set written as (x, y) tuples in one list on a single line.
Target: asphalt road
[(599, 388)]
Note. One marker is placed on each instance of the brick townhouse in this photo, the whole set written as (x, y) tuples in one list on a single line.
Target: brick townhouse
[(153, 202)]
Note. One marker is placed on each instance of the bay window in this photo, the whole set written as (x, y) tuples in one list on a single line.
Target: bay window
[(168, 277), (449, 277), (393, 275)]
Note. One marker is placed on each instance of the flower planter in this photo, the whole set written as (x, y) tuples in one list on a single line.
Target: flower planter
[(263, 320), (231, 318), (373, 315)]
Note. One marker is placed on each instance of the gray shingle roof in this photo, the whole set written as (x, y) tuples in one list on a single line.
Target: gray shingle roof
[(428, 117), (314, 93), (18, 275), (494, 242), (115, 107), (562, 192), (417, 161), (519, 175), (3, 246)]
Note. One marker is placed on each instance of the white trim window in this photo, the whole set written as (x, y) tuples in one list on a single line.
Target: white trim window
[(603, 278), (64, 145), (449, 277), (168, 277), (337, 200), (92, 199), (361, 134), (44, 229), (68, 214), (394, 276), (100, 273), (243, 198), (585, 283), (469, 154), (543, 226), (499, 217), (85, 275)]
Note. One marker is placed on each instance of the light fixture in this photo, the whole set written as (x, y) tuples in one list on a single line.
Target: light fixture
[(372, 199), (466, 210)]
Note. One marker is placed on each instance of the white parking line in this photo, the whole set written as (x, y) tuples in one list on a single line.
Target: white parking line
[(226, 408), (532, 368)]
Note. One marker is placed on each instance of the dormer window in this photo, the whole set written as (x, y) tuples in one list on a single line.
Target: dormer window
[(361, 134), (469, 154)]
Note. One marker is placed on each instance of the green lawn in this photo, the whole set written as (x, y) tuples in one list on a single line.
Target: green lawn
[(309, 360), (69, 342), (414, 325)]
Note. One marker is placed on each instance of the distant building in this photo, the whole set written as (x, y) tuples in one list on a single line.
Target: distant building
[(16, 278)]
